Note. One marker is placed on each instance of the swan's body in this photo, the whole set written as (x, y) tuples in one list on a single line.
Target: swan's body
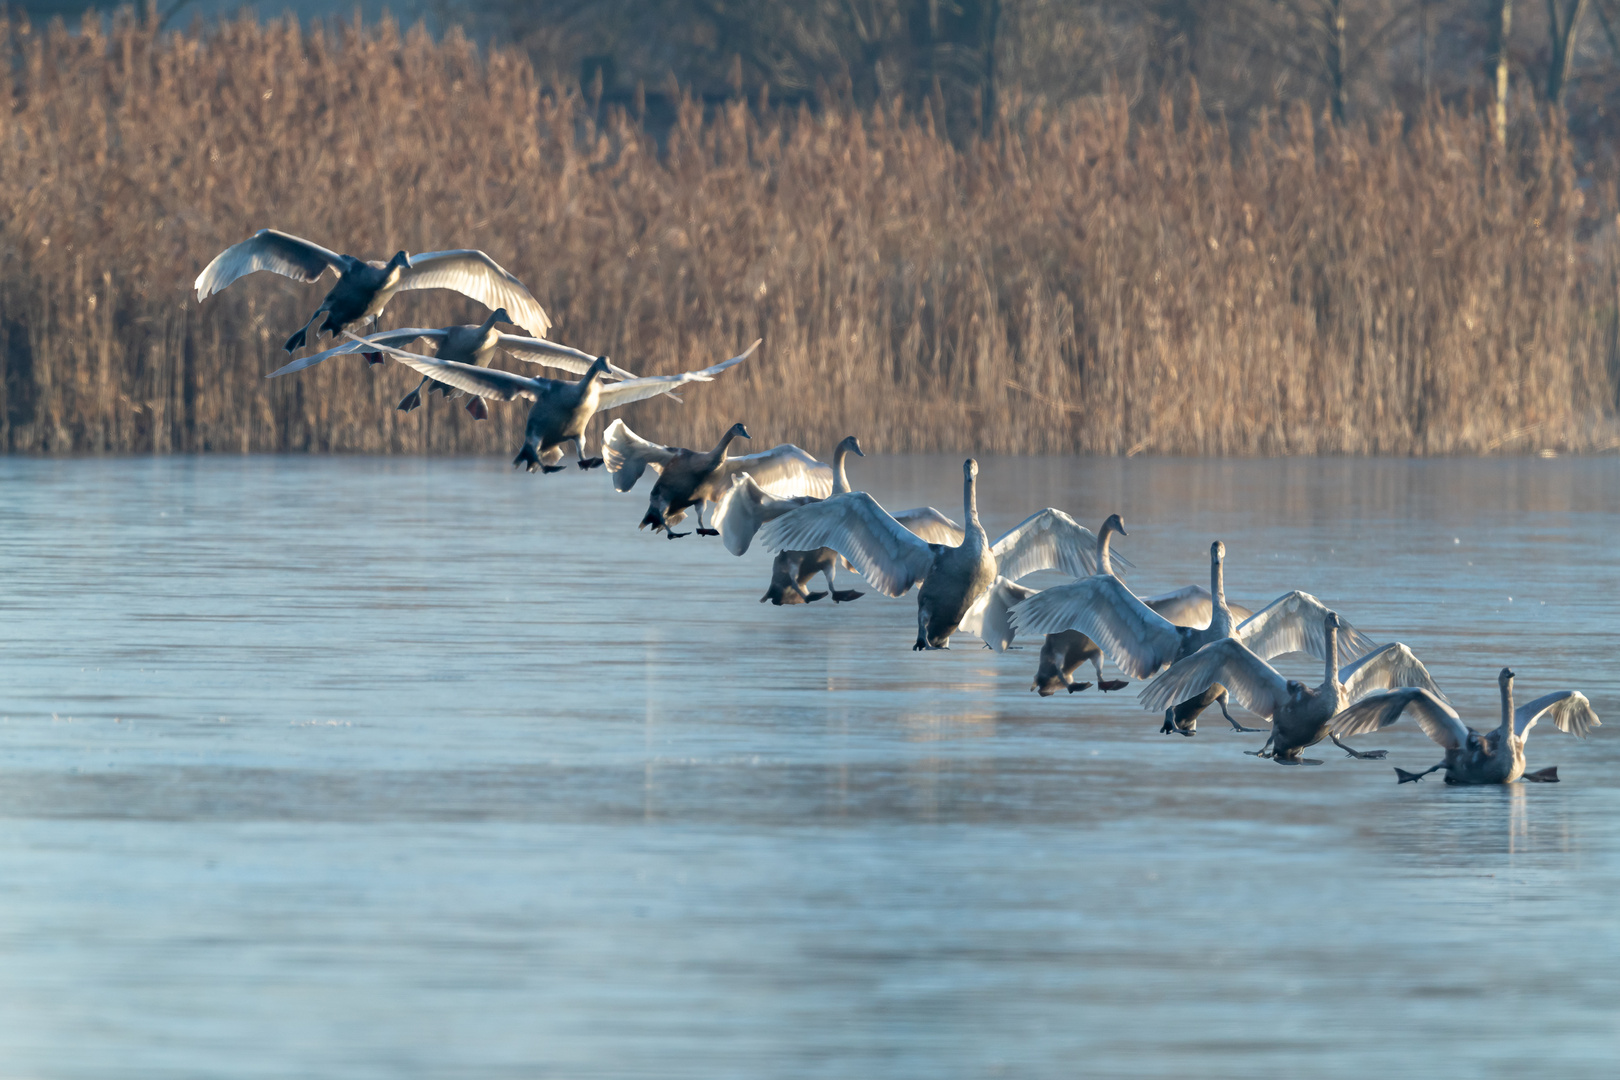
[(474, 344), (1142, 642), (1473, 757), (894, 558), (364, 288), (1299, 714), (561, 409), (689, 478)]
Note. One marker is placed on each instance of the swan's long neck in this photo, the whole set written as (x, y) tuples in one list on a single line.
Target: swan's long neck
[(1507, 712), (1331, 678), (1220, 616), (840, 480), (723, 444), (970, 510), (487, 325), (1104, 564)]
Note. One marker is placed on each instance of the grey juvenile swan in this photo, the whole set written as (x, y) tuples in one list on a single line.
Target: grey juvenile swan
[(474, 344), (1472, 757), (956, 580), (746, 506), (363, 288), (561, 409), (1141, 642), (1299, 714), (689, 478)]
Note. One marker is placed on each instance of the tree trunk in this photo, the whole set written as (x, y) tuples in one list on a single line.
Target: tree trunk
[(1497, 65), (1563, 46)]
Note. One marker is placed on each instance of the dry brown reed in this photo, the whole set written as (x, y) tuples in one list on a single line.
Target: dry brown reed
[(1073, 283)]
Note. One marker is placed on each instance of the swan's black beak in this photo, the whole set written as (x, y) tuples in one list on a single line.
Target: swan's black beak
[(743, 432)]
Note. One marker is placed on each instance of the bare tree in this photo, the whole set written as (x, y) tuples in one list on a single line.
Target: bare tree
[(1562, 27)]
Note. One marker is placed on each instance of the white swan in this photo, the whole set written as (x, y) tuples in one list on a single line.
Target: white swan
[(363, 288), (1299, 714), (1472, 757), (1141, 642)]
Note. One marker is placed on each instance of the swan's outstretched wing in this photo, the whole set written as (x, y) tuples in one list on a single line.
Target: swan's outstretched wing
[(881, 549), (1046, 540), (1135, 637), (1254, 683), (931, 525), (1293, 623), (1387, 668), (550, 354), (1568, 709), (988, 619), (623, 393), (475, 274), (627, 455), (784, 471), (1438, 720), (744, 507), (397, 339), (267, 249), (491, 383)]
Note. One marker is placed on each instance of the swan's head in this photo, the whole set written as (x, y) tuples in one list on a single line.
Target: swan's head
[(1332, 620), (970, 468), (852, 445), (739, 432), (1217, 551), (1505, 678), (598, 366), (500, 315), (400, 259), (1115, 523)]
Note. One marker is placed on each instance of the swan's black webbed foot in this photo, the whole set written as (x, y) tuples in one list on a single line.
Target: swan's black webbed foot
[(811, 598), (674, 535), (919, 645), (411, 401), (844, 596), (1404, 777), (1247, 730), (527, 456), (1295, 760), (1365, 755), (372, 358), (1106, 685), (1549, 775), (708, 532), (590, 463), (296, 342), (551, 468), (477, 409), (1076, 687)]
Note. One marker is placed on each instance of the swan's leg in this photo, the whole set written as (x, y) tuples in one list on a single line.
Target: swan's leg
[(1103, 684), (528, 456), (1365, 755), (840, 596), (1265, 749), (579, 452), (922, 630), (413, 400), (298, 340), (1235, 725), (1404, 777), (697, 508)]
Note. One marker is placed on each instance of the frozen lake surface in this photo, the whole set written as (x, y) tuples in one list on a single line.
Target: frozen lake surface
[(402, 768)]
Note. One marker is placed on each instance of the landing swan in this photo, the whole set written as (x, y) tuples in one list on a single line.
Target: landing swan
[(474, 344), (1299, 715), (689, 478), (746, 506), (954, 579), (363, 289), (561, 409), (1472, 757), (1141, 642)]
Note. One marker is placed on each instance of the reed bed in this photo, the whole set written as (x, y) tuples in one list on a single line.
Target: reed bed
[(1075, 282)]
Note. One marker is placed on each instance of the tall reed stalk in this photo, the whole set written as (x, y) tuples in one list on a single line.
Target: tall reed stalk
[(1071, 283)]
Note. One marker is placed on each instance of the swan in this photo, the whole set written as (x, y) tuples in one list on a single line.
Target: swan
[(1299, 714), (1472, 757), (689, 478), (474, 344), (955, 579), (561, 408), (363, 289), (1141, 642), (746, 506)]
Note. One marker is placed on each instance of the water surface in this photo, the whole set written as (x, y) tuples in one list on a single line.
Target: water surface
[(401, 768)]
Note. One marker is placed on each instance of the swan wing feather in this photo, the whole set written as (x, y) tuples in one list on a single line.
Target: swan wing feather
[(627, 455), (931, 525), (1387, 667), (1568, 709), (623, 393), (475, 274), (880, 549), (1046, 540), (535, 350), (744, 507), (988, 619), (784, 471), (396, 338), (1294, 623), (1438, 720), (267, 249), (1136, 638), (1255, 684), (491, 383)]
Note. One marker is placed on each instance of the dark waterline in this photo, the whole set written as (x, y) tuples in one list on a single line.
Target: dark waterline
[(393, 767)]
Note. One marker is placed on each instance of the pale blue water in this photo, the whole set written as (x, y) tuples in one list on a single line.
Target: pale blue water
[(392, 768)]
